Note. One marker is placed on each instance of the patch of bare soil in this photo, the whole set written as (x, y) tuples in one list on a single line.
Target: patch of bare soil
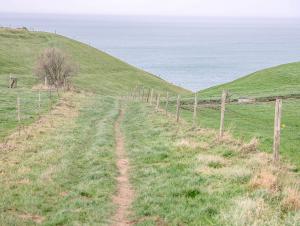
[(125, 194)]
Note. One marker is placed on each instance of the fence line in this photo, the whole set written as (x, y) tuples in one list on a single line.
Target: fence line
[(216, 103), (28, 106), (143, 94)]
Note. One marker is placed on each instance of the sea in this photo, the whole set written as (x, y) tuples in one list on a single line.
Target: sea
[(192, 52)]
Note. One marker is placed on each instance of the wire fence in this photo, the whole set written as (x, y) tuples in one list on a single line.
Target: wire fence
[(18, 109), (244, 117)]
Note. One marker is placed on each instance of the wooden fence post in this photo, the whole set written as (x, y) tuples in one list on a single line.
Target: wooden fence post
[(46, 82), (151, 97), (134, 93), (277, 124), (143, 93), (195, 110), (167, 103), (148, 95), (223, 103), (139, 93), (178, 108), (9, 82), (39, 101), (157, 102), (19, 115), (50, 111)]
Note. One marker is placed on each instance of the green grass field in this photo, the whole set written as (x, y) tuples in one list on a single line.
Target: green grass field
[(99, 73), (183, 177), (65, 176), (277, 81), (61, 169), (247, 121), (30, 109)]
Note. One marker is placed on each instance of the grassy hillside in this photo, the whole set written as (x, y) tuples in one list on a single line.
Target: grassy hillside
[(280, 80), (183, 176), (64, 169), (60, 169), (99, 72), (62, 172), (246, 121), (249, 121)]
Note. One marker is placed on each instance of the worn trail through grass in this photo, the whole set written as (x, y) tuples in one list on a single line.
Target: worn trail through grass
[(64, 174), (124, 196)]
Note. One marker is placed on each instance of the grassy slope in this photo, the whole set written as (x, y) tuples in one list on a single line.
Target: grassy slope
[(182, 176), (256, 120), (280, 80), (67, 176), (99, 72), (64, 175)]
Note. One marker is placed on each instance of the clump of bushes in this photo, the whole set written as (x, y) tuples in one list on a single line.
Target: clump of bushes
[(55, 68)]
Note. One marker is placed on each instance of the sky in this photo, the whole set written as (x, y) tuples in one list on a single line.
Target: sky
[(232, 8)]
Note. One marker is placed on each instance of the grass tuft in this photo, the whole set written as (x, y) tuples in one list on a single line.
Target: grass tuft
[(265, 179), (250, 147), (215, 165), (291, 200)]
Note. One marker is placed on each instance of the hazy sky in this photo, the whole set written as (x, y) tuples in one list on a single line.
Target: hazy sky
[(247, 8)]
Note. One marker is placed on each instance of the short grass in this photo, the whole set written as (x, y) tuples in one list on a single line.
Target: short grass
[(183, 176), (66, 176), (29, 105), (281, 80), (63, 176), (99, 73), (247, 121)]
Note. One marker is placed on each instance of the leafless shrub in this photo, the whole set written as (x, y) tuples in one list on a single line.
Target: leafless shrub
[(55, 67)]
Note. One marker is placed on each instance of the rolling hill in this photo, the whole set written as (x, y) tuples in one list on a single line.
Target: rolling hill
[(276, 81), (99, 72), (89, 158), (256, 120)]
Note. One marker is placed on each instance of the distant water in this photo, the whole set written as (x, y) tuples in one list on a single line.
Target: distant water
[(195, 53)]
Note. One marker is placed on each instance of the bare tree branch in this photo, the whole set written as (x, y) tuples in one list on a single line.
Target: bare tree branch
[(57, 67)]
